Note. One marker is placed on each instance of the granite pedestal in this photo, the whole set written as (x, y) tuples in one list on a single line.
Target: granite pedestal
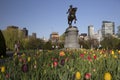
[(71, 38)]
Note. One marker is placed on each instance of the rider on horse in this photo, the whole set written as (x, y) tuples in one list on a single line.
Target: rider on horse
[(71, 15), (69, 10)]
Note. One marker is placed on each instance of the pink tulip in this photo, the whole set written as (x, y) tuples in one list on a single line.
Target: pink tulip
[(87, 75), (55, 63)]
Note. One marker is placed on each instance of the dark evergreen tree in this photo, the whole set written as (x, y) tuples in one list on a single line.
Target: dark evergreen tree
[(2, 45)]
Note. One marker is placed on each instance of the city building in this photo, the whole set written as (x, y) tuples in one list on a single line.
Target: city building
[(34, 35), (25, 32), (108, 28), (90, 31), (54, 37), (100, 35), (83, 36), (118, 32)]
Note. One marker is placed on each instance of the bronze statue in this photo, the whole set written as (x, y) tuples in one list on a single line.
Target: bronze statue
[(71, 15)]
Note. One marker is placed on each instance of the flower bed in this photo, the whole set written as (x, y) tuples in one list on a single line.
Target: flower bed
[(63, 65)]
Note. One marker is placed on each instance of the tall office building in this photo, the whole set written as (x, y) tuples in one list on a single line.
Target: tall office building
[(108, 28), (90, 31)]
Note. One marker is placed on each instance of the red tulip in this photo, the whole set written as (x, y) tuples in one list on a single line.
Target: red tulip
[(89, 58), (55, 63), (82, 55), (95, 57)]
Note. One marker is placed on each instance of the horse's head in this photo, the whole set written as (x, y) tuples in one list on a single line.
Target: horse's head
[(75, 9)]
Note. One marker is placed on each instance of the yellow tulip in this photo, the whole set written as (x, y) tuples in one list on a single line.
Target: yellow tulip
[(29, 59), (119, 51), (112, 53), (77, 75), (15, 54), (101, 52), (23, 55), (105, 55), (115, 56), (107, 76), (93, 54), (3, 69)]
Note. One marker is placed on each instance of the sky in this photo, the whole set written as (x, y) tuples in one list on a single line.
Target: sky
[(46, 16)]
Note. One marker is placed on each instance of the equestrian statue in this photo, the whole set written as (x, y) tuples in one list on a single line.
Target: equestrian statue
[(71, 15)]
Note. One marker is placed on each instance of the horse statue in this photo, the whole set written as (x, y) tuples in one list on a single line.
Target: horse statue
[(72, 16)]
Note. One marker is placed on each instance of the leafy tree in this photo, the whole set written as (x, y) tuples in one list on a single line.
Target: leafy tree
[(62, 37), (84, 43), (110, 42), (33, 43), (11, 36), (93, 43), (48, 45), (118, 46)]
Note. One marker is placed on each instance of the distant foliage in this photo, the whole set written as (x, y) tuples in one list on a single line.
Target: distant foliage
[(110, 43), (48, 45), (33, 43), (13, 35), (2, 45)]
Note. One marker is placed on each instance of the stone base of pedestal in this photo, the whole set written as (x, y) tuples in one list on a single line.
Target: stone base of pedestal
[(71, 38)]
